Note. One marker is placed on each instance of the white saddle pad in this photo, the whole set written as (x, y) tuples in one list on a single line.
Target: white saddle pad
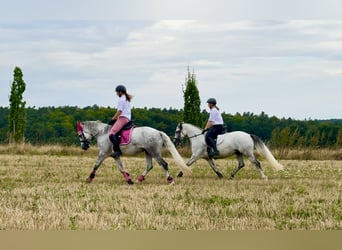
[(219, 139)]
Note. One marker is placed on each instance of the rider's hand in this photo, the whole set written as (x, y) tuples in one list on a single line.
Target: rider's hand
[(111, 122)]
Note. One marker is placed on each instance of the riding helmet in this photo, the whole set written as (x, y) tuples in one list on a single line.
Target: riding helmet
[(120, 88), (212, 101)]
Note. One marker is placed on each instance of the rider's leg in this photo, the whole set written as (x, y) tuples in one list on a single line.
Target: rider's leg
[(116, 145), (209, 139), (113, 135)]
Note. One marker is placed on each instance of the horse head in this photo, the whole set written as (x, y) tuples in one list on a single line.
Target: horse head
[(178, 134), (83, 135)]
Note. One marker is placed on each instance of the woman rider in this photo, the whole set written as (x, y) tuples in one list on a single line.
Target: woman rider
[(121, 118), (214, 127)]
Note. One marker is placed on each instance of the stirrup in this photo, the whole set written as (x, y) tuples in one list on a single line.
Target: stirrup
[(213, 153), (115, 154)]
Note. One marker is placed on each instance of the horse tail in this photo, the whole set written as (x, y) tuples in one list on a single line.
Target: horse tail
[(171, 147), (265, 152)]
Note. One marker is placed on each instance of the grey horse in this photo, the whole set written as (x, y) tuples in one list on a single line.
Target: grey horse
[(143, 139), (239, 143)]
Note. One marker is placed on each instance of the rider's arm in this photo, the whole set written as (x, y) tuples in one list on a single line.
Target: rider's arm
[(208, 125), (117, 114)]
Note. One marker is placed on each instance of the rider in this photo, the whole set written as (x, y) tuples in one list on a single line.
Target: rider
[(121, 118), (214, 127)]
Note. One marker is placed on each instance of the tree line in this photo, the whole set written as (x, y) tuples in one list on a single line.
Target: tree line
[(57, 125), (51, 125)]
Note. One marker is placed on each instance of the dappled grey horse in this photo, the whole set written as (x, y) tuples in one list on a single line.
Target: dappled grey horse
[(238, 143), (143, 139)]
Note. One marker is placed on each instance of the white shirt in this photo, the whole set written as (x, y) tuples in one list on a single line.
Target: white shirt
[(125, 107), (215, 117)]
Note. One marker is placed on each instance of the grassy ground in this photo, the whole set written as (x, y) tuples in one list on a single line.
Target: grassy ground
[(47, 191)]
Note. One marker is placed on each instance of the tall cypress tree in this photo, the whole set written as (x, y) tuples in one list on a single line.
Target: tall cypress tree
[(192, 102), (17, 111)]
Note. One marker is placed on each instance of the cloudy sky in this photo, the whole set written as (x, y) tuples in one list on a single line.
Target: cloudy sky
[(76, 52)]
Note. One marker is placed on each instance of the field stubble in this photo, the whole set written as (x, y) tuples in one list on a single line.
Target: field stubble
[(47, 192)]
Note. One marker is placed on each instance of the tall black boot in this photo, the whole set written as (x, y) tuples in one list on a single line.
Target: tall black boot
[(116, 146), (212, 143)]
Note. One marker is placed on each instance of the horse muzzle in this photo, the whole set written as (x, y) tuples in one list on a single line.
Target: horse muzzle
[(85, 145), (176, 141)]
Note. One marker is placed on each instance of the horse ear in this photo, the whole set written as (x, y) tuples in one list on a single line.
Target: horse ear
[(180, 125)]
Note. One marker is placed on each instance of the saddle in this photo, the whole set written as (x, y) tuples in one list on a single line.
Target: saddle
[(125, 133), (219, 138)]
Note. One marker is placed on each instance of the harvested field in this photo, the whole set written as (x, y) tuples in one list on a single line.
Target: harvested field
[(48, 192)]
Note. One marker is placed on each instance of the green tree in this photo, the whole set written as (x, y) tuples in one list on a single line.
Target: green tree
[(17, 111), (192, 102), (338, 142)]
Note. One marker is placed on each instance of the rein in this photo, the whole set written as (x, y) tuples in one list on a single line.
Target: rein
[(194, 135)]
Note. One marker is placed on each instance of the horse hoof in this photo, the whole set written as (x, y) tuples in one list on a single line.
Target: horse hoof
[(130, 182), (220, 176), (170, 180), (91, 177), (180, 174), (141, 178)]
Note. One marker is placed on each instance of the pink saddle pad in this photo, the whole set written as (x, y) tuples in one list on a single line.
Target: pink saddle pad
[(126, 136)]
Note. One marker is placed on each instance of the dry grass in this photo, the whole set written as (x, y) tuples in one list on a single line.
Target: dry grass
[(283, 153), (47, 192)]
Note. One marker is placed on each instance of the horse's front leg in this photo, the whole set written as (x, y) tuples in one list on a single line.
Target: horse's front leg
[(214, 168), (123, 171), (149, 166), (98, 163), (192, 159)]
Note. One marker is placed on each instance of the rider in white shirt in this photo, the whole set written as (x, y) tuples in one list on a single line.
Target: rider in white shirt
[(214, 126), (121, 118)]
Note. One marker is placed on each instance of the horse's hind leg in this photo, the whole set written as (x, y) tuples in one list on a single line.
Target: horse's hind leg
[(149, 166), (98, 163), (165, 166), (123, 171), (214, 168), (257, 165), (241, 164)]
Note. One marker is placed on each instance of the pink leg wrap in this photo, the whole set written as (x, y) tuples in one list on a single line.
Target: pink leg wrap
[(169, 179), (141, 178), (126, 175)]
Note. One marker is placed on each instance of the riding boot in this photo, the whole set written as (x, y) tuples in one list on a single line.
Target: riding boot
[(116, 146), (213, 148)]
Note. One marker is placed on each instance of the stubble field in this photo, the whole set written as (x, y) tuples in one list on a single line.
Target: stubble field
[(48, 192)]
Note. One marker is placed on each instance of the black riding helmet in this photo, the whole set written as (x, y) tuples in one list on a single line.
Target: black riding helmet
[(212, 101), (120, 88)]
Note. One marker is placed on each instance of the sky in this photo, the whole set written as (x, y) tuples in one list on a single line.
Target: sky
[(252, 56)]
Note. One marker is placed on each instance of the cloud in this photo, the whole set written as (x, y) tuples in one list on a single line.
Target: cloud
[(248, 65)]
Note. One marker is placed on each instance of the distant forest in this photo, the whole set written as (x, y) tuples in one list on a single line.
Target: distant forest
[(57, 125)]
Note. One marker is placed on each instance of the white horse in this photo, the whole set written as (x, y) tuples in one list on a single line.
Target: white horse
[(238, 143), (143, 139)]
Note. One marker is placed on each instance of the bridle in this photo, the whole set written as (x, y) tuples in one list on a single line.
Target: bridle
[(84, 141), (178, 135)]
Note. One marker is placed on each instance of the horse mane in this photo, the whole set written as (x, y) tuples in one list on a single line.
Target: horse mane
[(191, 125), (97, 126)]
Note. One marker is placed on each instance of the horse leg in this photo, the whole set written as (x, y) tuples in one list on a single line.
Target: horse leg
[(213, 166), (192, 159), (123, 171), (165, 166), (98, 163), (258, 166), (241, 164), (149, 166)]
